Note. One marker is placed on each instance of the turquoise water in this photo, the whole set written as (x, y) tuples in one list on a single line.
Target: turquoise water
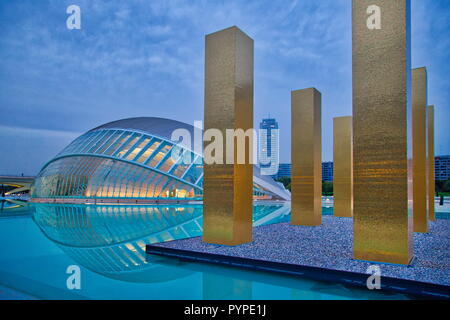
[(39, 242)]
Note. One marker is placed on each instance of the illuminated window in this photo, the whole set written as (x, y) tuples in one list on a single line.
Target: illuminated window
[(148, 151), (128, 145), (118, 143), (157, 158), (109, 142), (138, 149)]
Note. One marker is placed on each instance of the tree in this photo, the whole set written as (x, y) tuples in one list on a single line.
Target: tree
[(439, 184)]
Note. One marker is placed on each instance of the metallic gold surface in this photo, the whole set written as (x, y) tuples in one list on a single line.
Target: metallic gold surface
[(343, 167), (430, 163), (381, 132), (227, 188), (306, 157), (419, 126)]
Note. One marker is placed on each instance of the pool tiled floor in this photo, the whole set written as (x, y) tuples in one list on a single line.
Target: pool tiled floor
[(329, 246)]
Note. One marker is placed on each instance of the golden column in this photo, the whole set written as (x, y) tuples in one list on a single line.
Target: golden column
[(343, 167), (228, 188), (419, 126), (431, 173), (306, 157), (381, 130)]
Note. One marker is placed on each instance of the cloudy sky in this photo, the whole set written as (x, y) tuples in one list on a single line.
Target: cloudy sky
[(145, 58)]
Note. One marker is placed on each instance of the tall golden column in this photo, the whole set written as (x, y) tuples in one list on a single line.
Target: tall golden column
[(419, 126), (343, 166), (431, 169), (381, 134), (306, 157), (228, 188)]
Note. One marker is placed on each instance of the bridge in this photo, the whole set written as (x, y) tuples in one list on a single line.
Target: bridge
[(14, 184)]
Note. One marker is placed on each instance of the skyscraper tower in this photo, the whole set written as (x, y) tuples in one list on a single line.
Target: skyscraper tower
[(268, 146)]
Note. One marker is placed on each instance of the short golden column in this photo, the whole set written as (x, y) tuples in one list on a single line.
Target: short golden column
[(343, 166), (419, 126), (228, 187), (431, 164), (381, 130), (306, 157)]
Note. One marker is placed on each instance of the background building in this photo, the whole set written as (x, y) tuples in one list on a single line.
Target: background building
[(284, 170), (442, 167), (268, 147), (132, 159)]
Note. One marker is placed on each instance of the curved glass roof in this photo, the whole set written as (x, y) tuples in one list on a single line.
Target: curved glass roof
[(161, 127)]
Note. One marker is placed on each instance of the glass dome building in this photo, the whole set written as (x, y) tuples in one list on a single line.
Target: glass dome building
[(131, 160)]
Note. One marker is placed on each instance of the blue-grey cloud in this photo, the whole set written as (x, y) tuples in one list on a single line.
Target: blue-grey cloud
[(145, 58)]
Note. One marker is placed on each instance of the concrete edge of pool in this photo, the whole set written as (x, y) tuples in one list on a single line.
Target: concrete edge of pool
[(389, 284)]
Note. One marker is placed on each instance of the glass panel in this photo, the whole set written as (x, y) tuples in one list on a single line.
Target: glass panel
[(118, 143), (138, 149), (194, 173), (151, 185), (148, 151), (144, 187), (103, 140), (167, 164), (141, 176), (90, 141), (73, 145), (179, 169), (98, 141), (159, 187), (86, 139), (128, 145)]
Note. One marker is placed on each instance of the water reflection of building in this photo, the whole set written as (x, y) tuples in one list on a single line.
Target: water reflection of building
[(132, 159), (111, 239), (284, 171)]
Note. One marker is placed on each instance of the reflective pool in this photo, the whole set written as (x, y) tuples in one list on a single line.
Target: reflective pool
[(38, 242)]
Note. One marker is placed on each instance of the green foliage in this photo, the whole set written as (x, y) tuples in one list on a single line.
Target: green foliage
[(442, 187)]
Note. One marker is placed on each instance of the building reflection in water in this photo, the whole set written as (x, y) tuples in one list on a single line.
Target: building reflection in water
[(110, 239), (11, 208)]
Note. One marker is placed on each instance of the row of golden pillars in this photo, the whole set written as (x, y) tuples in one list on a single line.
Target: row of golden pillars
[(383, 177)]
